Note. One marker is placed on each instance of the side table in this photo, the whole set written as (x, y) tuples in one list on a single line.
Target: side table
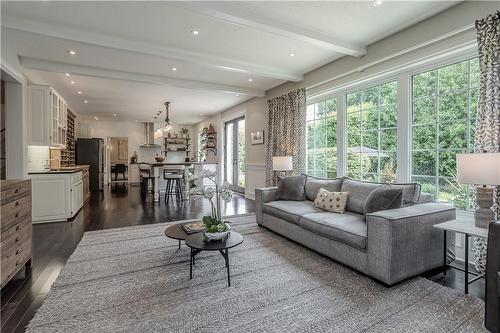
[(462, 225)]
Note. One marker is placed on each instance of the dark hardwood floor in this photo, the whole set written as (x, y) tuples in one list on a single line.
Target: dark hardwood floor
[(119, 206)]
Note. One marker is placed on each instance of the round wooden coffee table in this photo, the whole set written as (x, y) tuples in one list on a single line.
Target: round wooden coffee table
[(197, 243), (175, 231)]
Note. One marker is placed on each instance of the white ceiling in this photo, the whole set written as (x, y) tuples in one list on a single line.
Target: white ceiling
[(126, 50)]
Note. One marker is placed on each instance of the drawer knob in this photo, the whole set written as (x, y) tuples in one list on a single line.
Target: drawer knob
[(17, 263), (17, 239), (17, 252), (17, 214), (17, 227), (16, 191), (17, 203)]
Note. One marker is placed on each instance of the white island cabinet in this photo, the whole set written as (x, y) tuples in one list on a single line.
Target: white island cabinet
[(56, 196)]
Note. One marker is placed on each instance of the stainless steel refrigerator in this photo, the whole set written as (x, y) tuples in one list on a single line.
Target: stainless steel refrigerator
[(91, 152)]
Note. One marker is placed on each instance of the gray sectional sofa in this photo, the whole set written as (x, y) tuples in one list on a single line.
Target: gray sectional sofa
[(388, 245)]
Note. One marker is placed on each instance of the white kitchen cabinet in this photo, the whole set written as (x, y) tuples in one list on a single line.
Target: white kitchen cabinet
[(56, 196), (47, 117)]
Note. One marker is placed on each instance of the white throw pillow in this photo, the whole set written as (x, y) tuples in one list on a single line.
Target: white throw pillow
[(331, 201)]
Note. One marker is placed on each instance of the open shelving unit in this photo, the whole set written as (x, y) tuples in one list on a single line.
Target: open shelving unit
[(68, 154), (177, 144), (209, 142)]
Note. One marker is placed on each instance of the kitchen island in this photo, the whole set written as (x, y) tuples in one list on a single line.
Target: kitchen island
[(57, 195), (190, 167)]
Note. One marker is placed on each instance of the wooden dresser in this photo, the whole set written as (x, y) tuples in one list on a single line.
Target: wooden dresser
[(16, 228)]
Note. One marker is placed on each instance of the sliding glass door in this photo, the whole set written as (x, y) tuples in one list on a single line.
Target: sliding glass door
[(234, 149)]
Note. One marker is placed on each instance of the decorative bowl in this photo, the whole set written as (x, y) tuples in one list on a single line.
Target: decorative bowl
[(218, 235), (159, 159)]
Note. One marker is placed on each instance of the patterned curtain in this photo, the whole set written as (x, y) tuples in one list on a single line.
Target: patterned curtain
[(287, 132), (488, 109)]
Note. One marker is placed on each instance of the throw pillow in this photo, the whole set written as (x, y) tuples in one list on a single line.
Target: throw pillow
[(331, 201), (383, 198), (313, 184), (292, 188)]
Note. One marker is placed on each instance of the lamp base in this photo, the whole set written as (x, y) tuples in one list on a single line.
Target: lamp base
[(483, 215)]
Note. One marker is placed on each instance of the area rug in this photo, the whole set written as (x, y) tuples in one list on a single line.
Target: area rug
[(136, 280)]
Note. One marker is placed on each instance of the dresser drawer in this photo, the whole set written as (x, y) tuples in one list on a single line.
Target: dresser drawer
[(16, 235), (12, 190), (15, 211), (13, 260)]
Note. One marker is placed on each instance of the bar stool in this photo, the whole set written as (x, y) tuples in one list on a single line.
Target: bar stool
[(175, 182), (146, 179)]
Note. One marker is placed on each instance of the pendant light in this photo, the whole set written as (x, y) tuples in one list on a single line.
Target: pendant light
[(167, 127)]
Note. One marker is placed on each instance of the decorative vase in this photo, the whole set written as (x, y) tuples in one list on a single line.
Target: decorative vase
[(218, 235)]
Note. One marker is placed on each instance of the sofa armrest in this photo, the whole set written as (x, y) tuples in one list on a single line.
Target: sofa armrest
[(403, 243), (426, 198), (263, 195)]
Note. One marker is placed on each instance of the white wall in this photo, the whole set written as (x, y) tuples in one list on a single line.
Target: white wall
[(16, 135), (255, 113)]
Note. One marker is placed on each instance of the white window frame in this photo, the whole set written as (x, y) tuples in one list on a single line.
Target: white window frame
[(402, 75)]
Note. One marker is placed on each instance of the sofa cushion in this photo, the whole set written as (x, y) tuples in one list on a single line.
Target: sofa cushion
[(289, 210), (411, 193), (313, 184), (358, 193), (292, 188), (331, 201), (348, 228), (382, 198)]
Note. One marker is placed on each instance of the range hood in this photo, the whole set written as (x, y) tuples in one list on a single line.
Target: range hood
[(149, 136)]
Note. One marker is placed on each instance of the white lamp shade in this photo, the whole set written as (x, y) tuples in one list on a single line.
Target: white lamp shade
[(282, 163), (478, 169)]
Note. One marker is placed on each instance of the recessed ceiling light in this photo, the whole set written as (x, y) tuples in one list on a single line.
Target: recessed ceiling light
[(67, 74), (250, 79), (292, 54), (377, 3), (72, 82), (71, 52), (174, 69), (95, 117), (114, 114), (195, 32), (79, 92), (136, 121), (85, 101), (237, 95)]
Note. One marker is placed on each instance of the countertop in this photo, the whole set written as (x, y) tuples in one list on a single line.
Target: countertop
[(183, 163), (73, 169)]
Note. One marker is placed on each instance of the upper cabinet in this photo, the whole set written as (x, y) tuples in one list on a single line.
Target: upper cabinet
[(47, 117)]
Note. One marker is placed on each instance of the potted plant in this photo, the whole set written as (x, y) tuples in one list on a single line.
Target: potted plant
[(215, 228)]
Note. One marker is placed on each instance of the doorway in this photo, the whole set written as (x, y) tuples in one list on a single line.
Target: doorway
[(234, 152), (118, 159)]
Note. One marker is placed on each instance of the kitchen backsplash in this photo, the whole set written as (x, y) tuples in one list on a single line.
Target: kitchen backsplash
[(37, 158)]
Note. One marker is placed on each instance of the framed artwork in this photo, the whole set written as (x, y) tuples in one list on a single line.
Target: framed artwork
[(257, 137), (122, 149)]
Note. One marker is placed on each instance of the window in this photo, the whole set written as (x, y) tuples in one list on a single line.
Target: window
[(444, 103), (372, 133), (321, 125)]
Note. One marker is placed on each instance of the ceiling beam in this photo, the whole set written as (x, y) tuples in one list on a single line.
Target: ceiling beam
[(128, 45), (59, 67), (244, 18)]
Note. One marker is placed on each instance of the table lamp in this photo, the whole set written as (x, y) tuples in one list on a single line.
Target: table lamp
[(282, 164), (481, 170)]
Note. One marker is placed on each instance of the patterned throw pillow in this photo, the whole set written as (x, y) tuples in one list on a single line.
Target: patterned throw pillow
[(331, 201)]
